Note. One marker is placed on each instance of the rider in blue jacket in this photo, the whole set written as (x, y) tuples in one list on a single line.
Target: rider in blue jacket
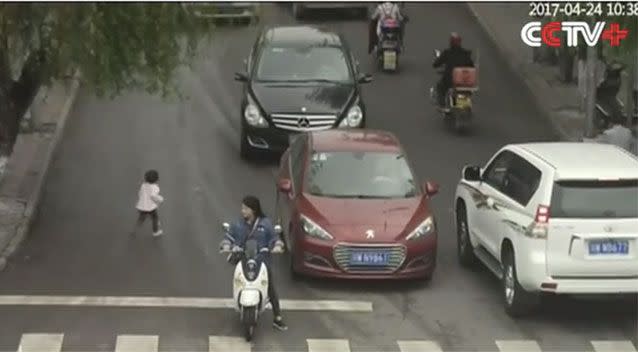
[(255, 223)]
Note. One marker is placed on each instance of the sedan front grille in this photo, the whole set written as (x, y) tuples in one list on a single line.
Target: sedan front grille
[(343, 252), (303, 123)]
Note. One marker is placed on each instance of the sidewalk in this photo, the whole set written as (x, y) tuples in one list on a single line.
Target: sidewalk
[(558, 101), (22, 179)]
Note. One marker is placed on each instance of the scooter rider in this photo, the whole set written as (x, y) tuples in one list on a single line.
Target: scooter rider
[(254, 223), (452, 57), (384, 10)]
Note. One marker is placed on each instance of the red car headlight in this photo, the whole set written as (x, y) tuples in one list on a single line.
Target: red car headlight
[(424, 229), (313, 230)]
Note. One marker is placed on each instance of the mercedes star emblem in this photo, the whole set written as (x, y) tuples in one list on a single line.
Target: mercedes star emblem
[(369, 234), (303, 122)]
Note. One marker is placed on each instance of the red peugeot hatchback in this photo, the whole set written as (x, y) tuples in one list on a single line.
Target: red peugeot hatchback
[(350, 207)]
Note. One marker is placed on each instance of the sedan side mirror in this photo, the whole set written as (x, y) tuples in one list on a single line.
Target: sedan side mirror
[(241, 76), (284, 185), (431, 188), (226, 227), (364, 78), (472, 173)]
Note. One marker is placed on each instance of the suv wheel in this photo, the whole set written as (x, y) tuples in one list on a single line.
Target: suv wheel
[(465, 252), (517, 301)]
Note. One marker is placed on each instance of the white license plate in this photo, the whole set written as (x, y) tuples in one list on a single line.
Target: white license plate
[(389, 59)]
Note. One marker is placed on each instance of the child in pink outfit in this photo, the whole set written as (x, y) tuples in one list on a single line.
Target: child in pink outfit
[(148, 202)]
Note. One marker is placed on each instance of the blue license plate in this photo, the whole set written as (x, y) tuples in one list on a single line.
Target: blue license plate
[(369, 258), (608, 247)]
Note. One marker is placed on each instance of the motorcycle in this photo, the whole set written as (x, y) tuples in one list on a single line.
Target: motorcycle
[(389, 45), (607, 102), (457, 111), (250, 280)]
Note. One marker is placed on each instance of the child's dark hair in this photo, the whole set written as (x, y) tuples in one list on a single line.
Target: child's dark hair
[(151, 176)]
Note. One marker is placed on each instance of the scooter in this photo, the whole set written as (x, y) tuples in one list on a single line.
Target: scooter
[(607, 102), (250, 280), (457, 111), (389, 45)]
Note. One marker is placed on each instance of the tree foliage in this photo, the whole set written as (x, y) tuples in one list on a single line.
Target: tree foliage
[(116, 46)]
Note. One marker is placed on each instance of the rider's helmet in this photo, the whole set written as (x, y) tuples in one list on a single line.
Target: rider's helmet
[(455, 39)]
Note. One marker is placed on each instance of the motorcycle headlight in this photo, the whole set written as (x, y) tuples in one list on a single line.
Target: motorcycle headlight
[(253, 116), (426, 228), (313, 230), (354, 117)]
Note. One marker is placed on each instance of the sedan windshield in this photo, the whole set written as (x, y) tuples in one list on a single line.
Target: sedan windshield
[(360, 175), (315, 63)]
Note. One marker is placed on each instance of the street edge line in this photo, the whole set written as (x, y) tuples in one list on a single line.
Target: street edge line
[(33, 202), (515, 65)]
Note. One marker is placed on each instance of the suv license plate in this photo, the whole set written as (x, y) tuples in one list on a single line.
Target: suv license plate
[(603, 247)]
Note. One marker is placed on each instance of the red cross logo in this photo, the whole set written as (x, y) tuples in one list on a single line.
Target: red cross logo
[(614, 34)]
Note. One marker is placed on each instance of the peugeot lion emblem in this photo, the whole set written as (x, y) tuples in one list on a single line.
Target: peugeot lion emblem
[(369, 234), (303, 109), (303, 122)]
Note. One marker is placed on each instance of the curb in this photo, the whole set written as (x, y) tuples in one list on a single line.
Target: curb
[(33, 202), (514, 64)]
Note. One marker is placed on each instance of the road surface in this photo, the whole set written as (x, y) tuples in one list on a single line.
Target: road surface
[(80, 246)]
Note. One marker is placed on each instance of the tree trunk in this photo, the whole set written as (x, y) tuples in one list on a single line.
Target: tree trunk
[(15, 98), (565, 63)]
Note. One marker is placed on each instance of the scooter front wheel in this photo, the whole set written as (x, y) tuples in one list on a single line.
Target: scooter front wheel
[(249, 320)]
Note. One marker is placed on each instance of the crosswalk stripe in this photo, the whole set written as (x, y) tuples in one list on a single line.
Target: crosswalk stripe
[(328, 345), (418, 346), (518, 346), (226, 344), (613, 346), (41, 343), (137, 343)]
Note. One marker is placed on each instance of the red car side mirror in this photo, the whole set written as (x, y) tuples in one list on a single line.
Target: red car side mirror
[(284, 185), (431, 188)]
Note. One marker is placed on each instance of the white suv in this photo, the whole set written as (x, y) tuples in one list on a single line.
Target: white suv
[(552, 217)]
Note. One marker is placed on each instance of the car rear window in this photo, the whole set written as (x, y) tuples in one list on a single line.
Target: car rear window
[(595, 199)]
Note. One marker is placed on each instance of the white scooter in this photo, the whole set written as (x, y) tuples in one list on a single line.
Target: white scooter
[(250, 280)]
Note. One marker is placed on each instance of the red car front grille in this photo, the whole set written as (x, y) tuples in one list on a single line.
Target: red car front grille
[(396, 256)]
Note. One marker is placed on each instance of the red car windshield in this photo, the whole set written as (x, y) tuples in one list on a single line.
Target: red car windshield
[(360, 175)]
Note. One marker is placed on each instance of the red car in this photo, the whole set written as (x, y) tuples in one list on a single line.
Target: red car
[(350, 207)]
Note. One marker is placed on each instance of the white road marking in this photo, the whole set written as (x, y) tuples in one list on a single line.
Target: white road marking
[(613, 346), (518, 346), (328, 345), (227, 343), (418, 346), (178, 302), (41, 343), (137, 343)]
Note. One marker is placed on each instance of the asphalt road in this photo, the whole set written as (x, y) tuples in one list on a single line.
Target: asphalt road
[(80, 244)]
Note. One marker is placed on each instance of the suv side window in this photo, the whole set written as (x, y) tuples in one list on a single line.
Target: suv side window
[(496, 172), (297, 158), (522, 180)]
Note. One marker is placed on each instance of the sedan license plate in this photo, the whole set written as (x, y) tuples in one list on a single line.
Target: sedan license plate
[(608, 247), (369, 258)]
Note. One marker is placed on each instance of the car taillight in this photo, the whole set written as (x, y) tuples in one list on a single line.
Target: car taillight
[(538, 229), (542, 214)]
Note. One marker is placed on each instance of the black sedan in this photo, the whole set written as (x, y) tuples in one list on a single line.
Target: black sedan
[(298, 79)]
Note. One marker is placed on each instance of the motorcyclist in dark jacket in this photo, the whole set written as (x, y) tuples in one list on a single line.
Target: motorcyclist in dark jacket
[(254, 223), (452, 57)]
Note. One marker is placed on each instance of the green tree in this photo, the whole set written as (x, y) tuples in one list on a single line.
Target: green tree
[(115, 46)]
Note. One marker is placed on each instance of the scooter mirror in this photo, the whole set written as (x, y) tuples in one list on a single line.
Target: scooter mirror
[(278, 229), (226, 226), (437, 52)]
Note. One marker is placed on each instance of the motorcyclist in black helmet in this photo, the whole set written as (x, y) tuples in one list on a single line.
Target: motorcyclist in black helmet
[(452, 57)]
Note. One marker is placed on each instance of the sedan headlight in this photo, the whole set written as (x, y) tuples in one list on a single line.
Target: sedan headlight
[(354, 117), (313, 230), (426, 228), (253, 116)]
